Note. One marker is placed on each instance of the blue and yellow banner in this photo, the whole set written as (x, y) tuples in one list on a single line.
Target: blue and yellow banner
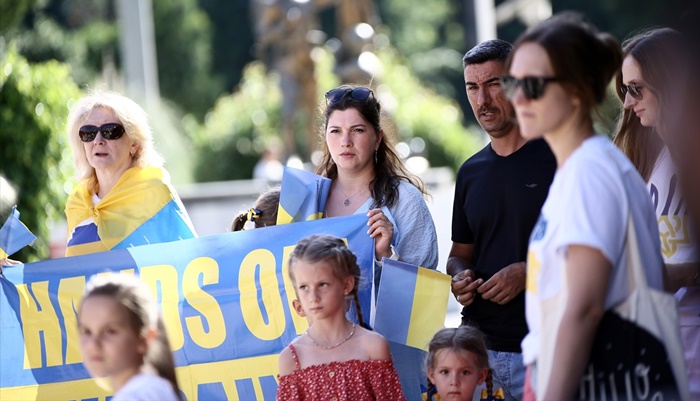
[(14, 235), (411, 303), (226, 301), (303, 196)]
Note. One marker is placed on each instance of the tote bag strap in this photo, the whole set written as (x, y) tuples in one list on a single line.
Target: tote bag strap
[(635, 273)]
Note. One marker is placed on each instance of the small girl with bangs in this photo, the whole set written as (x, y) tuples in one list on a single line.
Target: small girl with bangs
[(122, 338), (335, 358), (457, 364)]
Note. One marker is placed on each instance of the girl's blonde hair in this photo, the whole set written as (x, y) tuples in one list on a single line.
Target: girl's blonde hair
[(334, 251), (129, 114)]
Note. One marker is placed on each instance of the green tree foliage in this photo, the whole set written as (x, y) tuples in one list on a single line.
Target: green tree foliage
[(239, 127), (183, 47), (12, 12), (232, 38), (418, 111), (34, 149)]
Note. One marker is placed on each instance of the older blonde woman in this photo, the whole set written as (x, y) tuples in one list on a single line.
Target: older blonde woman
[(124, 198)]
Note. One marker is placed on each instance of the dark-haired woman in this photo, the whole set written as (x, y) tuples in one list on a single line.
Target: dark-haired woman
[(649, 87), (369, 177), (559, 71)]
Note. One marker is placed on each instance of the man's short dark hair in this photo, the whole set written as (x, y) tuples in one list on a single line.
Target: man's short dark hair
[(490, 50)]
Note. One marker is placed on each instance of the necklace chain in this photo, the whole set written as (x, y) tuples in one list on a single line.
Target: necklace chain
[(347, 202), (352, 331)]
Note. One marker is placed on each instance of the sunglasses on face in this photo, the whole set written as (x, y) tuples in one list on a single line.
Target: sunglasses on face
[(335, 95), (533, 87), (633, 89), (109, 132)]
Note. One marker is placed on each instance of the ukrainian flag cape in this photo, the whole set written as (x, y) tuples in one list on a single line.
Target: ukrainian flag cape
[(141, 209)]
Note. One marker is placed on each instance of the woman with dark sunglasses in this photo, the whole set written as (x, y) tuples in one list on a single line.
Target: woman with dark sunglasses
[(649, 83), (559, 71), (124, 197), (369, 177)]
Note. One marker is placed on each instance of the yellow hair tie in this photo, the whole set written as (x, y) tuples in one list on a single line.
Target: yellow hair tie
[(253, 214)]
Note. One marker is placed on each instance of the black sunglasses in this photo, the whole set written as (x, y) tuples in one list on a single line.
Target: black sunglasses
[(110, 131), (634, 90), (533, 87), (337, 94)]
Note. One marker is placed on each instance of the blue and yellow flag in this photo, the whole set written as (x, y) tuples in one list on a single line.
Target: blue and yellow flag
[(303, 196), (14, 235), (141, 209), (411, 303)]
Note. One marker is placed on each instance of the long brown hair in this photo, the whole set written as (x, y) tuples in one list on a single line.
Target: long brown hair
[(389, 169), (658, 54), (133, 295), (334, 251)]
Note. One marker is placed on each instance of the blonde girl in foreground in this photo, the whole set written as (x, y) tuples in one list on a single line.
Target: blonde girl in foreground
[(122, 338), (335, 358)]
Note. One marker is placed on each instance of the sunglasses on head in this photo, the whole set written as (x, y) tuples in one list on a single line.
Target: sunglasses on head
[(634, 90), (337, 94), (110, 131), (533, 87)]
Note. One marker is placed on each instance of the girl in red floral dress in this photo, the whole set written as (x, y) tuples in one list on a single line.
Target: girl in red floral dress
[(335, 359)]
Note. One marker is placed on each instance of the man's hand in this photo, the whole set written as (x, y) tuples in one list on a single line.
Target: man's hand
[(464, 287), (503, 286)]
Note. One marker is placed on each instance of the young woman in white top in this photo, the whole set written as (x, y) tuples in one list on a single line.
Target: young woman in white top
[(122, 338), (648, 85), (559, 71)]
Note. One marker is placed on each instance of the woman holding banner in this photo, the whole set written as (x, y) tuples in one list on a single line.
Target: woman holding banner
[(124, 198), (369, 177)]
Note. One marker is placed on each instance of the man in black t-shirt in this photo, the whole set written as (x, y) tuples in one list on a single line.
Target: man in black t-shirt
[(498, 196)]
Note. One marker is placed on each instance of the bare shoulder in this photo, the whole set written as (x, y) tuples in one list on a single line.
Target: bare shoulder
[(374, 344), (286, 362)]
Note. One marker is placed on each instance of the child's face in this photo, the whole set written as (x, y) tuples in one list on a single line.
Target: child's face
[(109, 344), (456, 374), (320, 292)]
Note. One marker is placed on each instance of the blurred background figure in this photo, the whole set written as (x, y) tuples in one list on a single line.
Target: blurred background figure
[(284, 31), (270, 167), (124, 197), (578, 253)]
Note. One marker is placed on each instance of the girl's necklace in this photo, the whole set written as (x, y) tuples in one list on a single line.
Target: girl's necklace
[(347, 202), (352, 331)]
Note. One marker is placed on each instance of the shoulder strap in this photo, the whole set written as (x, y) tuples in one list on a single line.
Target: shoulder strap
[(634, 258), (295, 357)]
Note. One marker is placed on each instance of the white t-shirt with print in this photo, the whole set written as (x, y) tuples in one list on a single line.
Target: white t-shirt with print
[(678, 239), (677, 245), (588, 205)]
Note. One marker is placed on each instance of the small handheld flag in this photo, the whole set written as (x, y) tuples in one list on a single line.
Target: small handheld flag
[(411, 303), (14, 235), (303, 196)]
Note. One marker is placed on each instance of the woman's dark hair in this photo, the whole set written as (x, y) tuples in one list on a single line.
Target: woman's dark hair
[(389, 168), (583, 59), (462, 338), (660, 55), (264, 214), (334, 251), (133, 295)]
